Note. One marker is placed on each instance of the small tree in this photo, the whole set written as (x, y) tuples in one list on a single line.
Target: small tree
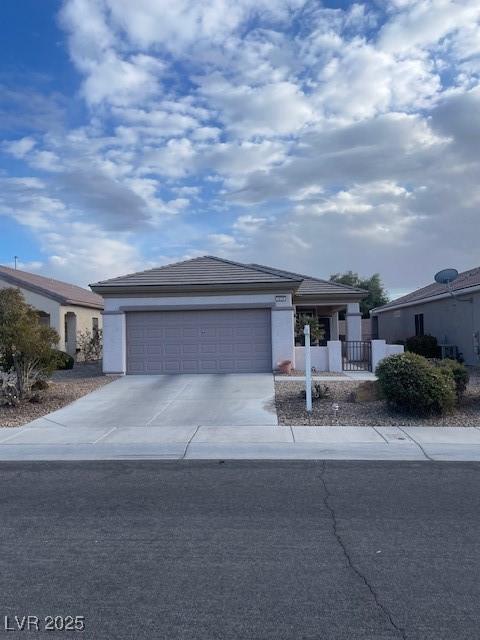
[(25, 343), (317, 332), (90, 345), (377, 296)]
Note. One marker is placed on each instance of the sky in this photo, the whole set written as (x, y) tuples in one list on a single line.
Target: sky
[(314, 137)]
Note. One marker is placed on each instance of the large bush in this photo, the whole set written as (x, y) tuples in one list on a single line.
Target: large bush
[(26, 345), (411, 384), (426, 346), (460, 375), (63, 360)]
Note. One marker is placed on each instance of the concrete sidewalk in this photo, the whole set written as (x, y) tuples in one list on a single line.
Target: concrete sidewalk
[(44, 439)]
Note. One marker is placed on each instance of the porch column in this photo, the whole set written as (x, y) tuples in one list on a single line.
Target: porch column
[(353, 321), (334, 326)]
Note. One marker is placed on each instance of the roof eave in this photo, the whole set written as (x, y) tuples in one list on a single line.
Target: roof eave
[(80, 303), (146, 289), (324, 298), (62, 300), (32, 287), (440, 296)]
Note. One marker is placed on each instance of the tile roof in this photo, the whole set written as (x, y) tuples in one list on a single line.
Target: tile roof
[(206, 270), (313, 286), (466, 279), (210, 270), (62, 292)]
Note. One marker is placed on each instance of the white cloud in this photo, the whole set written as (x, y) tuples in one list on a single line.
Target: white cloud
[(427, 22), (249, 223), (120, 81), (276, 108), (20, 148), (353, 132), (184, 23)]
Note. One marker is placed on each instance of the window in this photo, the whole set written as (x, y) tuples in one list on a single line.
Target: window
[(419, 324), (66, 328), (94, 326)]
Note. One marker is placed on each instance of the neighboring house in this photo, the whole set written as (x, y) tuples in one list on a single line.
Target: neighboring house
[(65, 307), (452, 316), (214, 315)]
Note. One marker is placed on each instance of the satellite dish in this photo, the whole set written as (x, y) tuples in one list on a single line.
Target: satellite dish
[(446, 276)]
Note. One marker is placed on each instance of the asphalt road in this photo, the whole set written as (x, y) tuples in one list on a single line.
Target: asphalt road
[(247, 550)]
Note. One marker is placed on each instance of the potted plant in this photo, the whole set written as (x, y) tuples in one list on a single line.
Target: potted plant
[(285, 366)]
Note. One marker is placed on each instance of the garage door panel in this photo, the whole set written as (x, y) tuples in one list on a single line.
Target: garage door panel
[(213, 341)]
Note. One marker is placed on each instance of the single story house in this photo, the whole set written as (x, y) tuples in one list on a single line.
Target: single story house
[(210, 315), (450, 313), (65, 307)]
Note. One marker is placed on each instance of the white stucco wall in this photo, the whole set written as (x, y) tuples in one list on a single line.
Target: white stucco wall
[(283, 343), (114, 343), (381, 350), (318, 355), (335, 362), (114, 332)]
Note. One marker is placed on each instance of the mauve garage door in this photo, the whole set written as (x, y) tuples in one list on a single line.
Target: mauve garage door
[(213, 341)]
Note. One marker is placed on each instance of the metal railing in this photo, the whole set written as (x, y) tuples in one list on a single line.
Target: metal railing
[(357, 355)]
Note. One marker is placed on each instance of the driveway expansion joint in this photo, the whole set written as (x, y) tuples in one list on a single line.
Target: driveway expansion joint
[(429, 458), (351, 565), (380, 434), (189, 442), (59, 424)]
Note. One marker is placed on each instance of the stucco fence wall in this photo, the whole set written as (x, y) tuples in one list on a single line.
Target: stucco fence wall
[(329, 358)]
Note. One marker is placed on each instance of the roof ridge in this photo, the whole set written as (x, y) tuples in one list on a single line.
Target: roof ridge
[(251, 265), (305, 277), (243, 265)]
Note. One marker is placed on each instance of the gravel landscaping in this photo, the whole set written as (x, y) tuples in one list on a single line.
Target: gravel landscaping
[(297, 372), (291, 407), (64, 387)]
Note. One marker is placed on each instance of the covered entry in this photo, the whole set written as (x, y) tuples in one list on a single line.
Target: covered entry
[(199, 341)]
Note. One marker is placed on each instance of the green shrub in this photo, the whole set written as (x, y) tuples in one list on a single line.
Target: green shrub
[(460, 375), (319, 391), (63, 360), (410, 383), (426, 346), (40, 385), (26, 345)]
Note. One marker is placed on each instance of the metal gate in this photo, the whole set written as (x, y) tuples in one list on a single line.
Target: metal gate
[(357, 355)]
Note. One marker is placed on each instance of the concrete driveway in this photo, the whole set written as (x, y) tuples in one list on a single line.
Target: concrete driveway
[(174, 401)]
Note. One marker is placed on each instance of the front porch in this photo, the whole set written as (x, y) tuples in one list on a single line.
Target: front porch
[(327, 316), (330, 354)]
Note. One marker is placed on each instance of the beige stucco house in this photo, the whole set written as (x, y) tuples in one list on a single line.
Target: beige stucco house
[(450, 313), (65, 307), (211, 315)]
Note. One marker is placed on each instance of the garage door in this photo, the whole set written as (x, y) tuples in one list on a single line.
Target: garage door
[(213, 341)]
